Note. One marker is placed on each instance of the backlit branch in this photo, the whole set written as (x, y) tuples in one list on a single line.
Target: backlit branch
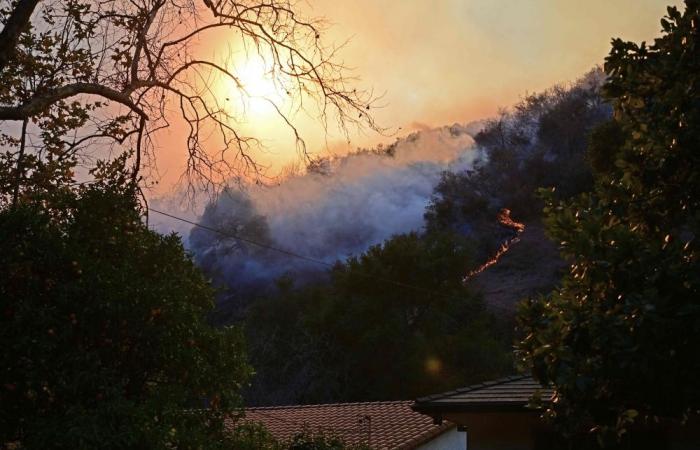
[(136, 62), (42, 101)]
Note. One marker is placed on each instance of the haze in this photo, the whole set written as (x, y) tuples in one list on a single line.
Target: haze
[(440, 62)]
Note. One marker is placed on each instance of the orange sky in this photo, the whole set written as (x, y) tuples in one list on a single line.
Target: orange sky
[(446, 61)]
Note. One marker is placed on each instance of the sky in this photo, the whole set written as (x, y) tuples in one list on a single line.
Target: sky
[(438, 62)]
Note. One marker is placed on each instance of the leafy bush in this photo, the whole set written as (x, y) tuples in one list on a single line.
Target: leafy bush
[(103, 333)]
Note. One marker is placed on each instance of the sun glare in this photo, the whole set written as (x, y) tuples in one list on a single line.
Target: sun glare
[(261, 88)]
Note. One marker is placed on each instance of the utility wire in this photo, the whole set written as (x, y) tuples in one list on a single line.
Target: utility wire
[(307, 258), (242, 239), (289, 253)]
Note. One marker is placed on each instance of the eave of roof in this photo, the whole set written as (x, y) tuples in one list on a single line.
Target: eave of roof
[(509, 394)]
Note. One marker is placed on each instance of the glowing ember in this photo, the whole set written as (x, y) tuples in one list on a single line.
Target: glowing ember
[(505, 220)]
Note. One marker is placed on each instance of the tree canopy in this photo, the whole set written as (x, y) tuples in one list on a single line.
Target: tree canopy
[(619, 340), (103, 331), (395, 322)]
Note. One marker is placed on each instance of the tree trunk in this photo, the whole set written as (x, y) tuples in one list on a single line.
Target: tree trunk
[(18, 21), (20, 161)]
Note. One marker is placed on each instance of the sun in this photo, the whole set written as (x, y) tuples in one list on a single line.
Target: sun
[(261, 88), (258, 79)]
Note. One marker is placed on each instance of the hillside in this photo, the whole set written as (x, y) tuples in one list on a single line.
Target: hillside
[(531, 266)]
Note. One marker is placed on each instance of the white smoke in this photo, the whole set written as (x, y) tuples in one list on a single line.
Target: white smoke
[(358, 201)]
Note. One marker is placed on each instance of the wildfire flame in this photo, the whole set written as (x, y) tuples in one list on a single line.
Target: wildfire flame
[(505, 220)]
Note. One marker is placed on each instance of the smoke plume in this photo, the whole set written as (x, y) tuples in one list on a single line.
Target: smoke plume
[(338, 208)]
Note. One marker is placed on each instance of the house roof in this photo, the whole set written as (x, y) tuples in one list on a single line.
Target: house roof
[(505, 394), (381, 425)]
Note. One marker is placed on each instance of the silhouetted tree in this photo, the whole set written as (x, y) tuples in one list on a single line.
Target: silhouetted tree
[(619, 341), (393, 323), (87, 76), (103, 332)]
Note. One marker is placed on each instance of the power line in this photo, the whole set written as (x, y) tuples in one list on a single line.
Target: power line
[(307, 258), (287, 252), (242, 239)]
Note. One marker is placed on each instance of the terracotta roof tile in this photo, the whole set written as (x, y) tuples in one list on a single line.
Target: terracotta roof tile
[(381, 425)]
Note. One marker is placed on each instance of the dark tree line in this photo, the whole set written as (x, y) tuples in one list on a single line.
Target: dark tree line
[(395, 322), (103, 331)]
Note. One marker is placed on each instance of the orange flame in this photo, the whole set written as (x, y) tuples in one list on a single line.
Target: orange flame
[(505, 220)]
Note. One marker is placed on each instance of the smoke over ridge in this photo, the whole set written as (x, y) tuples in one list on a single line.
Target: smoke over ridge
[(341, 208)]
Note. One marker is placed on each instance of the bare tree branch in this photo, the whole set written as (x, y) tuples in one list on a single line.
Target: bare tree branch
[(140, 54)]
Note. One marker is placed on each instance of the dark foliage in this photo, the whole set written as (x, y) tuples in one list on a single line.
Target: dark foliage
[(620, 339), (363, 337), (540, 143), (103, 337)]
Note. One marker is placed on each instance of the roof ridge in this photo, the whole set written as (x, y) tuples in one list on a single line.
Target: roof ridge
[(326, 405), (473, 387)]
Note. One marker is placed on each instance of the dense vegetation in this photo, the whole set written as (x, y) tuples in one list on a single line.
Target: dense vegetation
[(620, 339), (541, 142), (103, 332), (397, 321), (392, 323)]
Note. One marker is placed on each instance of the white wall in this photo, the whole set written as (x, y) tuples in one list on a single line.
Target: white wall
[(449, 440)]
